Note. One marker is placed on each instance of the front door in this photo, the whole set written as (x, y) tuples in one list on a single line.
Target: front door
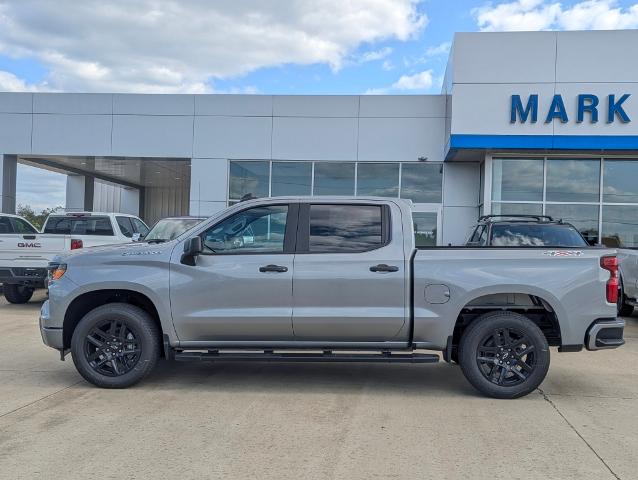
[(241, 286), (350, 282)]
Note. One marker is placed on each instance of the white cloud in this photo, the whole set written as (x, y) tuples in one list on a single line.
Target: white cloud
[(417, 82), (10, 83), (546, 15), (180, 46), (441, 49), (375, 55), (40, 188)]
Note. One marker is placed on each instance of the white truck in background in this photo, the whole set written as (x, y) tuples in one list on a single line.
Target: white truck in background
[(25, 252)]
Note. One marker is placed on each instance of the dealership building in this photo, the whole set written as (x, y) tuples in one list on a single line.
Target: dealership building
[(526, 123)]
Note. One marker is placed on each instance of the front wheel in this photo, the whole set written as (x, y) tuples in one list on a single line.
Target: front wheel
[(17, 293), (115, 345), (504, 355)]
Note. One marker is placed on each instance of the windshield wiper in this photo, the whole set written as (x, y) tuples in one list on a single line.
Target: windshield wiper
[(157, 240)]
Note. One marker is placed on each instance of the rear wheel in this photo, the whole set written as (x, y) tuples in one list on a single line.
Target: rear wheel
[(504, 355), (17, 293), (115, 345)]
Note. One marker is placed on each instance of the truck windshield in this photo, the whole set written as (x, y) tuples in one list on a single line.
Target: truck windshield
[(169, 228), (536, 235), (81, 225)]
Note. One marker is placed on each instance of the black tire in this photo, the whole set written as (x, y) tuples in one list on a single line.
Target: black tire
[(17, 293), (115, 345), (504, 355)]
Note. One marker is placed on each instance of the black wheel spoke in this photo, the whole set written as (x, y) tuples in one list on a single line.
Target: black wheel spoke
[(506, 357), (112, 348)]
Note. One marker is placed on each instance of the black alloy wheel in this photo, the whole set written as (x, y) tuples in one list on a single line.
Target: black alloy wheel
[(506, 357), (112, 348)]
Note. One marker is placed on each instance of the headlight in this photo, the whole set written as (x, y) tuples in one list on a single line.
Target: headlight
[(55, 271)]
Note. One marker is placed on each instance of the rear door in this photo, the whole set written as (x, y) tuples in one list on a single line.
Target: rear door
[(350, 274)]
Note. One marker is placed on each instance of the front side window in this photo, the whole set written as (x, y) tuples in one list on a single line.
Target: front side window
[(139, 227), (345, 228), (256, 230), (125, 226), (5, 225)]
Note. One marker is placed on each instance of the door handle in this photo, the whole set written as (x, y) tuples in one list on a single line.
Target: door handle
[(273, 268), (382, 267)]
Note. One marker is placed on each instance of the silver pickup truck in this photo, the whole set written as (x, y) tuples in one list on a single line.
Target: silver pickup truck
[(328, 279)]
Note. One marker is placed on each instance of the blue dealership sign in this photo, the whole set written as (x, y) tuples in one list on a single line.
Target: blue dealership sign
[(588, 105)]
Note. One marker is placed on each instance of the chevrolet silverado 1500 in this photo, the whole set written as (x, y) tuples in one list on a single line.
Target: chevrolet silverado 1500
[(329, 279)]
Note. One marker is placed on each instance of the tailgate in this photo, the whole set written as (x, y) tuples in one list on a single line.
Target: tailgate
[(29, 250)]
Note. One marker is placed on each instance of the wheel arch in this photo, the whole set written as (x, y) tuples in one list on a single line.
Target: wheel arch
[(539, 306), (87, 301)]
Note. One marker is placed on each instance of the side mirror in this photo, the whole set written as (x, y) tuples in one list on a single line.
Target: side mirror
[(192, 248), (137, 237)]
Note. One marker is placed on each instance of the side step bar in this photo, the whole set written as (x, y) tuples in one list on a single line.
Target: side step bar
[(326, 356)]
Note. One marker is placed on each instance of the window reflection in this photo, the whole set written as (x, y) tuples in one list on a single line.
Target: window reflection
[(291, 178), (334, 178), (422, 182), (378, 179), (345, 228), (575, 180), (620, 181), (517, 180), (620, 226), (583, 217), (249, 177), (517, 208)]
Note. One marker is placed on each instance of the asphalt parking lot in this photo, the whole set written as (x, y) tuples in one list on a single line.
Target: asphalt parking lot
[(236, 420)]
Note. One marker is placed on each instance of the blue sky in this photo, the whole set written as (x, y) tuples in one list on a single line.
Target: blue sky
[(255, 46)]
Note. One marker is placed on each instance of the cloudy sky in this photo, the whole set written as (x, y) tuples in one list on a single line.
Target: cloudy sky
[(255, 46)]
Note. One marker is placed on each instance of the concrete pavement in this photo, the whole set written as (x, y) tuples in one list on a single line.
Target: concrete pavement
[(311, 421)]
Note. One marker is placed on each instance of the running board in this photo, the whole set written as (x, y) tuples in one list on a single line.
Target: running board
[(326, 356)]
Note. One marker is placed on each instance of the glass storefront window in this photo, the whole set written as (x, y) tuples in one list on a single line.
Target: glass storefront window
[(576, 180), (424, 228), (620, 226), (620, 179), (334, 178), (291, 178), (583, 217), (249, 177), (378, 179), (517, 180), (517, 209), (422, 182)]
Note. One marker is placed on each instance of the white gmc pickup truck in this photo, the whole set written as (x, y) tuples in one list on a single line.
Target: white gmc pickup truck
[(25, 253)]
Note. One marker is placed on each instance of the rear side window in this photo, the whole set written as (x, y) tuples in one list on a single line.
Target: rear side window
[(125, 226), (5, 225), (89, 225), (536, 235), (345, 228)]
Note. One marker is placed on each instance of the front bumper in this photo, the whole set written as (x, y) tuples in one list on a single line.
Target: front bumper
[(605, 333), (52, 337)]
